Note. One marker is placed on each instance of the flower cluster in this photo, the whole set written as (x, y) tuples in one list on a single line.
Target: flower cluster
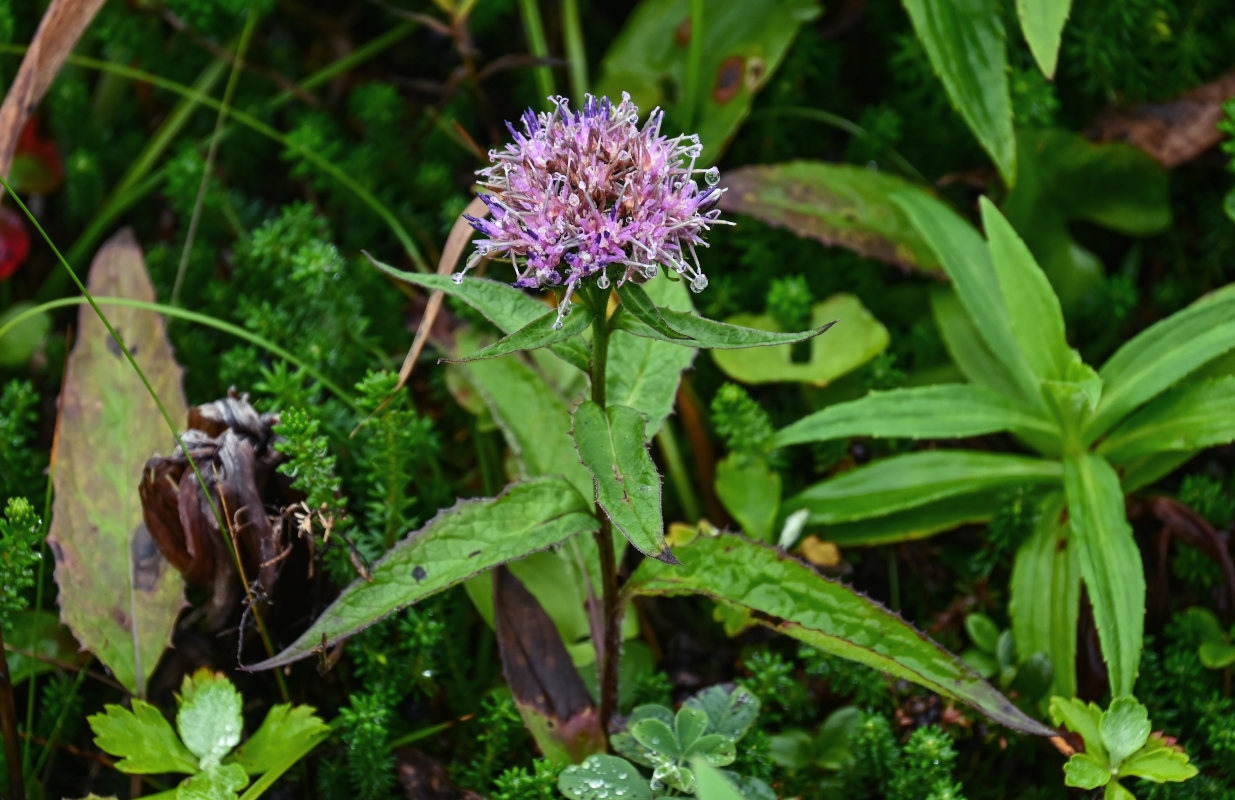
[(579, 191)]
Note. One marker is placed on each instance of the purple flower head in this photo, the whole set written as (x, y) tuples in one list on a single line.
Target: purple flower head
[(580, 191)]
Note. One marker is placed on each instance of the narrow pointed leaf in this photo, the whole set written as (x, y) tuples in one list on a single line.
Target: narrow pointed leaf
[(945, 411), (972, 356), (915, 479), (711, 334), (635, 301), (790, 597), (117, 592), (505, 306), (964, 40), (462, 541), (1187, 418), (1046, 594), (1159, 356), (540, 332), (918, 522), (612, 445), (1110, 564), (1042, 23)]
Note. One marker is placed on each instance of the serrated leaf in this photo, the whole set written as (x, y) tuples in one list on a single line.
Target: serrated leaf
[(637, 303), (842, 205), (117, 592), (142, 738), (1158, 764), (612, 445), (1124, 729), (1082, 718), (464, 540), (792, 598), (603, 777), (1083, 771), (286, 729), (220, 782), (731, 710), (710, 334), (505, 306), (1110, 564), (1186, 418), (964, 40), (540, 332), (1042, 23), (209, 718), (944, 411), (861, 337), (915, 479)]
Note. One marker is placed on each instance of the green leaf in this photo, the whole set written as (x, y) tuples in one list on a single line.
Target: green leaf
[(982, 631), (1186, 418), (40, 634), (612, 445), (1083, 771), (689, 725), (636, 302), (1161, 355), (914, 479), (740, 52), (209, 719), (1217, 655), (731, 710), (1042, 23), (1114, 791), (965, 42), (945, 411), (1158, 764), (287, 729), (861, 337), (505, 306), (1140, 472), (717, 749), (22, 340), (843, 205), (1081, 718), (712, 785), (1033, 309), (603, 777), (967, 260), (643, 373), (469, 538), (1110, 564), (1124, 729), (966, 348), (220, 782), (1046, 594), (540, 332), (750, 491), (918, 522), (142, 739), (696, 331), (657, 737), (118, 594), (790, 597)]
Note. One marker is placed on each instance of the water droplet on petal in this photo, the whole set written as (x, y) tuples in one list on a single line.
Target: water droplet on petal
[(457, 277), (712, 176), (699, 283)]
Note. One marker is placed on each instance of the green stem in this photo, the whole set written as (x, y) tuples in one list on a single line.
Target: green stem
[(54, 734), (539, 47), (608, 649), (694, 62), (576, 51), (675, 465)]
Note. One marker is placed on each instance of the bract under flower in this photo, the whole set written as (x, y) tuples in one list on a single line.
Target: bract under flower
[(580, 191)]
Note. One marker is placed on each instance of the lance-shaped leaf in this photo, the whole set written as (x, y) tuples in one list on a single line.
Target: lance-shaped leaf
[(918, 522), (548, 690), (638, 304), (1184, 419), (915, 479), (1110, 564), (1159, 356), (469, 538), (612, 445), (117, 593), (505, 306), (711, 334), (1042, 23), (790, 597), (1046, 594), (964, 40), (843, 205), (972, 356), (945, 411), (543, 331)]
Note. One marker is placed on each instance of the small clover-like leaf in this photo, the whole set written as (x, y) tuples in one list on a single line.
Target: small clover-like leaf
[(1217, 655), (731, 710), (209, 718), (983, 632), (658, 737), (284, 729), (675, 776), (1124, 728), (718, 750), (689, 725), (142, 738), (625, 744), (1114, 791), (603, 777), (220, 782), (1085, 772)]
